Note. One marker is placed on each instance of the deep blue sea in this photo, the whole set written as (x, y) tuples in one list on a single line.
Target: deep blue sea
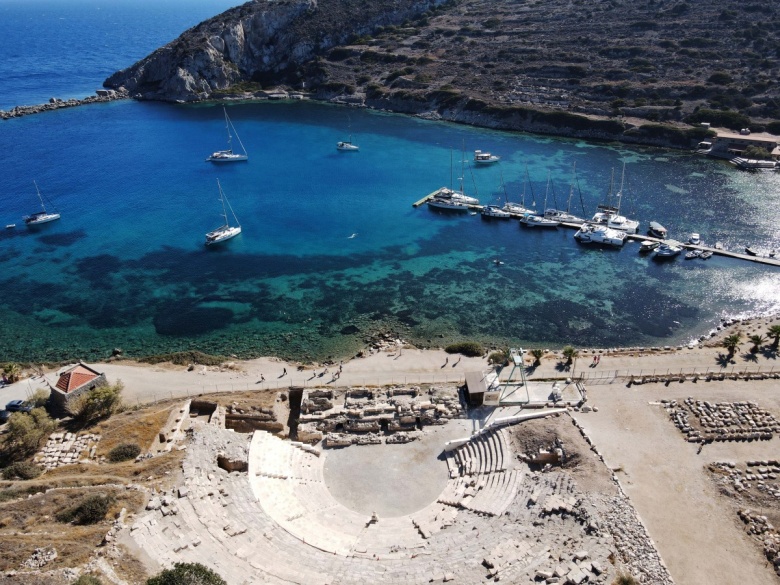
[(331, 249)]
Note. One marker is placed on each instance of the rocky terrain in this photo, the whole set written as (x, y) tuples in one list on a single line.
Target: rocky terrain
[(611, 69)]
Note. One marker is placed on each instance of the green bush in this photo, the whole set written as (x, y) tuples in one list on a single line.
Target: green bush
[(100, 402), (187, 574), (40, 397), (124, 452), (499, 357), (91, 510), (25, 431), (467, 348), (22, 470), (87, 580)]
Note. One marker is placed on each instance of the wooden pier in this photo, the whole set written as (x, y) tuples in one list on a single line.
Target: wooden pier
[(765, 260)]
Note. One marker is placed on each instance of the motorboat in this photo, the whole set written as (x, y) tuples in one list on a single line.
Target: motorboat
[(40, 217), (447, 204), (751, 251), (516, 208), (225, 231), (694, 239), (655, 229), (228, 155), (706, 255), (668, 249), (692, 254), (600, 234), (10, 226), (495, 211), (648, 245), (531, 220), (485, 158)]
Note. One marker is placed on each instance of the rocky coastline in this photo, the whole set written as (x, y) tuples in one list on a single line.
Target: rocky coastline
[(101, 96)]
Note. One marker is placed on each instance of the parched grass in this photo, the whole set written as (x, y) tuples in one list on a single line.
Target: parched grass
[(140, 427), (26, 523)]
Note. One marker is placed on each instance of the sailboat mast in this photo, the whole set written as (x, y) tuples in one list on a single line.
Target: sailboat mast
[(546, 191), (227, 129), (222, 199), (620, 193), (40, 197), (571, 187)]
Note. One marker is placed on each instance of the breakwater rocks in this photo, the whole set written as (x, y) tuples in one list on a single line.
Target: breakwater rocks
[(101, 96)]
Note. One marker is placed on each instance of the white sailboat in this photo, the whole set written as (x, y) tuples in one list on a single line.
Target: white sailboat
[(41, 216), (533, 220), (346, 145), (562, 215), (449, 198), (228, 155), (518, 208), (611, 215), (226, 231)]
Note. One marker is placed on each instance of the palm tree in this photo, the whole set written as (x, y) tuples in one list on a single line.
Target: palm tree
[(756, 340), (570, 354), (731, 343), (537, 355), (13, 372), (774, 331)]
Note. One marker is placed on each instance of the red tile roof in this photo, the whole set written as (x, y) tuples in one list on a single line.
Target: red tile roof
[(76, 377)]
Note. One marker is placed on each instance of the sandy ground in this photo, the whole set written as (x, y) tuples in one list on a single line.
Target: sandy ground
[(696, 529)]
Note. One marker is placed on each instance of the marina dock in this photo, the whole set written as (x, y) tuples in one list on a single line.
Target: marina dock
[(767, 261)]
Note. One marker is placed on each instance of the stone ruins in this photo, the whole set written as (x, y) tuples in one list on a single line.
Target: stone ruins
[(702, 421)]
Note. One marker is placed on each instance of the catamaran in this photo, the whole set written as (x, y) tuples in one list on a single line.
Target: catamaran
[(228, 155), (611, 215), (41, 216), (534, 220), (226, 231)]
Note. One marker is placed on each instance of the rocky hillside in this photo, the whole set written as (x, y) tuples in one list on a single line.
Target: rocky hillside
[(573, 67)]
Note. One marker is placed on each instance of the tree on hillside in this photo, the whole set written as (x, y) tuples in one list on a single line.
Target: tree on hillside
[(100, 402), (187, 574), (731, 343), (774, 331), (537, 355), (25, 431), (756, 340)]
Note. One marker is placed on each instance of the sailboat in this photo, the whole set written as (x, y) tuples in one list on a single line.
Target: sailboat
[(41, 216), (611, 215), (533, 220), (226, 231), (561, 215), (518, 208), (228, 155), (346, 145)]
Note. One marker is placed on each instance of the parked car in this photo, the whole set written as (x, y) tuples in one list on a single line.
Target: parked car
[(4, 415), (18, 406)]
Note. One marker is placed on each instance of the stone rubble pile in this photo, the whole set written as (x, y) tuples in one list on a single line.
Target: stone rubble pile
[(363, 416), (703, 421), (40, 557), (759, 475), (66, 449), (764, 532)]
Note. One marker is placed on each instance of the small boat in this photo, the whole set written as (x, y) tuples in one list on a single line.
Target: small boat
[(495, 211), (41, 216), (706, 255), (648, 245), (347, 146), (751, 251), (668, 249), (226, 231), (531, 220), (448, 204), (694, 239), (516, 208), (657, 230), (693, 254), (611, 215), (485, 158), (600, 234), (10, 226), (228, 155), (498, 262)]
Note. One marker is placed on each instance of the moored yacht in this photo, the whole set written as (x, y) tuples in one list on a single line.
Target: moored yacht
[(39, 217), (485, 158), (228, 155), (657, 230), (648, 246), (600, 234), (448, 204), (458, 196), (531, 220), (668, 249), (610, 216), (694, 239), (495, 211), (566, 216), (225, 231)]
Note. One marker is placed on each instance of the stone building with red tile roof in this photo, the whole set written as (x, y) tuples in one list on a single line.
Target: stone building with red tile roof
[(75, 381)]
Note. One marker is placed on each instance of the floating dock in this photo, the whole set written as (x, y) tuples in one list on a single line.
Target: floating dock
[(765, 260)]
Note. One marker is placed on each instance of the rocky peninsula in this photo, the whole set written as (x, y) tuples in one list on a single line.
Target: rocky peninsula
[(643, 73), (101, 96)]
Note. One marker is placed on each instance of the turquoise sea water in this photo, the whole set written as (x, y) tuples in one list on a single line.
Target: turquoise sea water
[(126, 266)]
